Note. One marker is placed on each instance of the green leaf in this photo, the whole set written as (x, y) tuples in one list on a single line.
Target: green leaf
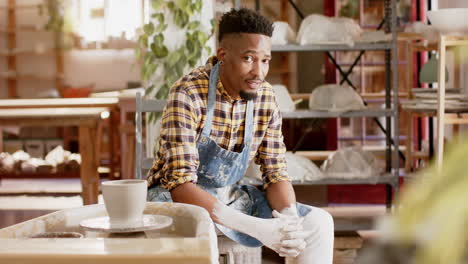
[(159, 51), (181, 18), (157, 4), (173, 58), (190, 46), (201, 36), (208, 50), (182, 4), (138, 52), (179, 68), (149, 28), (159, 17), (171, 6), (198, 5), (193, 25), (163, 92), (143, 41), (158, 39), (149, 89), (149, 58), (192, 62), (160, 28)]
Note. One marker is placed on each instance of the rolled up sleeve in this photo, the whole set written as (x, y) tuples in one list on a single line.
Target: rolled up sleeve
[(177, 152), (271, 153)]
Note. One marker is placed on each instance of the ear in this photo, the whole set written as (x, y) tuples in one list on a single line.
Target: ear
[(221, 53)]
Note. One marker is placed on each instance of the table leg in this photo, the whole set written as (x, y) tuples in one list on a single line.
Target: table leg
[(409, 143), (441, 104), (89, 167), (123, 144), (1, 139), (112, 146)]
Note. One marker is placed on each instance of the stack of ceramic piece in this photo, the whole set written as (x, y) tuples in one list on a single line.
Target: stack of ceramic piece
[(57, 160), (426, 99)]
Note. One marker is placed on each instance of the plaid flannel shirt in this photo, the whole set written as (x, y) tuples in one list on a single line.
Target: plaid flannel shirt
[(176, 161)]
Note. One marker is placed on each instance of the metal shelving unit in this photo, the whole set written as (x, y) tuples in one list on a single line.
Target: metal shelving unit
[(305, 114), (332, 47), (391, 176), (383, 179)]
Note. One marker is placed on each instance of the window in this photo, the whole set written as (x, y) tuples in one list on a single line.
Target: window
[(97, 20)]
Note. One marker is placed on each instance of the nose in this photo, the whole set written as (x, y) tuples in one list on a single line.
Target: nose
[(257, 70)]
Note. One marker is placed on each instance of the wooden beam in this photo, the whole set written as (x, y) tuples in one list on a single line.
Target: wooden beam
[(11, 60)]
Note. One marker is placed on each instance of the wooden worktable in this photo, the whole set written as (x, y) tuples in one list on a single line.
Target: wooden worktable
[(57, 102), (86, 119)]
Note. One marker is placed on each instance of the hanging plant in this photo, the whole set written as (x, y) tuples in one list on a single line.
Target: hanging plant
[(153, 53), (56, 21)]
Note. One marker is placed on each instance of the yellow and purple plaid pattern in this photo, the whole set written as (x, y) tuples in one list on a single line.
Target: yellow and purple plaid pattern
[(176, 161)]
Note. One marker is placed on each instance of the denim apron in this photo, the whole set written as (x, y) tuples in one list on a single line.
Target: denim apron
[(219, 170)]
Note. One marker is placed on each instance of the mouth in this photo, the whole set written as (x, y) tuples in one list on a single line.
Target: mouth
[(253, 85)]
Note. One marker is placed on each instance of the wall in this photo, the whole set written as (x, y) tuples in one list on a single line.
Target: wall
[(107, 69), (452, 3)]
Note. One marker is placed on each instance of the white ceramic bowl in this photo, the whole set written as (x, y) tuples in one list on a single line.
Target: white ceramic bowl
[(450, 21)]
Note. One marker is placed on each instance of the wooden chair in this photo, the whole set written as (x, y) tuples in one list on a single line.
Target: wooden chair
[(230, 252)]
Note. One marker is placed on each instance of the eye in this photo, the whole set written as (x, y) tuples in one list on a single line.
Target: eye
[(248, 58), (266, 61)]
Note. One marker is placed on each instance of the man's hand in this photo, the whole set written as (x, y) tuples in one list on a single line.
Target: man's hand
[(294, 239)]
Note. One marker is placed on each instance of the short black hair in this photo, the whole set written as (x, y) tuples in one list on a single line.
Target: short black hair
[(244, 20)]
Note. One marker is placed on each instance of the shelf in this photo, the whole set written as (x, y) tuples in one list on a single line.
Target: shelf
[(384, 179), (24, 29), (19, 7), (303, 114), (332, 47), (306, 96), (321, 155), (103, 172), (6, 53), (63, 175), (13, 75)]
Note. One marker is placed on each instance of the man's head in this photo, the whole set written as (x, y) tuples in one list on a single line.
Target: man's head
[(244, 50)]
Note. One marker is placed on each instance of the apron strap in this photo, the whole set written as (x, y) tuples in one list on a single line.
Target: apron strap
[(214, 75), (249, 123), (249, 120)]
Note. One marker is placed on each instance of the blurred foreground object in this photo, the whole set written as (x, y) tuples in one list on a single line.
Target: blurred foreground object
[(429, 225)]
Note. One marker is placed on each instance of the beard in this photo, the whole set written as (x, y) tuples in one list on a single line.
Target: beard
[(248, 96)]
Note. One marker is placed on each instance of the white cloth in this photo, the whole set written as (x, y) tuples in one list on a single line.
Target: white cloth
[(299, 169), (335, 98), (350, 162), (282, 33), (321, 29), (283, 98)]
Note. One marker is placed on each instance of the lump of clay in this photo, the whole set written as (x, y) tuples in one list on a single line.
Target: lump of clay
[(321, 29), (7, 163), (19, 157), (335, 98), (282, 33)]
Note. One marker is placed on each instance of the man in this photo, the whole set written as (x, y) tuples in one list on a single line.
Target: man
[(218, 118)]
